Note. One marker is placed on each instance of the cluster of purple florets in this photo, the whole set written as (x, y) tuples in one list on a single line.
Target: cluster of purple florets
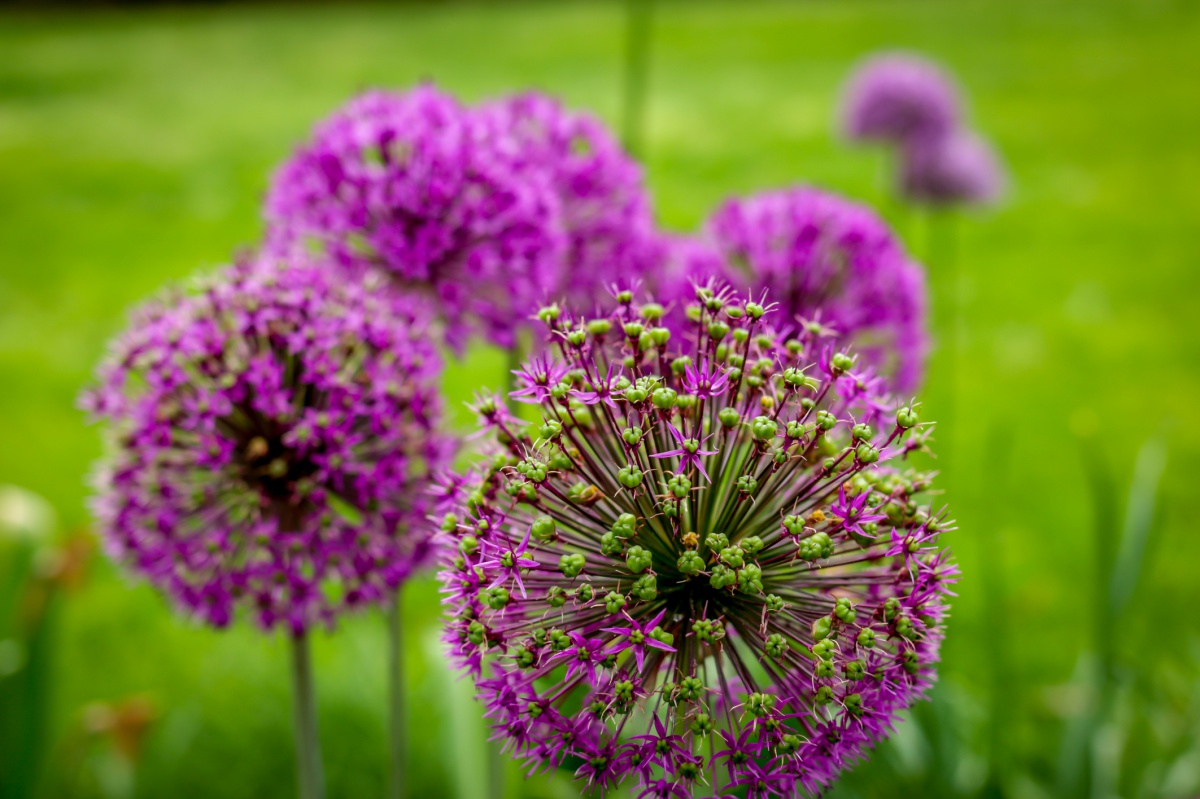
[(486, 210), (705, 566), (822, 260), (273, 442), (911, 104)]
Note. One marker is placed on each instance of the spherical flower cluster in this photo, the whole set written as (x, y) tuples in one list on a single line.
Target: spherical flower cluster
[(433, 194), (603, 206), (706, 570), (912, 104), (896, 97), (827, 262), (273, 443), (958, 169)]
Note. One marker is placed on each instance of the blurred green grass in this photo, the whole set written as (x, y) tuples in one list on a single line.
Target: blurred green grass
[(135, 147)]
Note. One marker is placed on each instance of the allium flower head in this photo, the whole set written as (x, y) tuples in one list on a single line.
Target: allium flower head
[(959, 169), (437, 196), (273, 443), (831, 265), (723, 580), (604, 206), (898, 97)]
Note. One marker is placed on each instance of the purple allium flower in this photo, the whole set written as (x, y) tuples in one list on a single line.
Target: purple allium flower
[(273, 443), (749, 617), (828, 263), (440, 197), (604, 206), (959, 169), (899, 97)]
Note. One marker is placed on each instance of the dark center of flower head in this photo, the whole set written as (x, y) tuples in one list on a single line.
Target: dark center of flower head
[(702, 545)]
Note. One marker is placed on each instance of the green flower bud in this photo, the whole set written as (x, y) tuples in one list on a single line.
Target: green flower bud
[(754, 310), (844, 610), (732, 557), (585, 592), (638, 559), (777, 646), (690, 563), (611, 545), (679, 485), (635, 395), (718, 330), (629, 476), (524, 657), (476, 633), (716, 541), (824, 695), (826, 420), (633, 329), (775, 603), (729, 417), (680, 364), (468, 545), (907, 418), (613, 602), (825, 668), (750, 579), (558, 640), (854, 705), (599, 327), (571, 565), (821, 628), (841, 363), (708, 630), (891, 608), (855, 670), (556, 596), (721, 577), (763, 428), (576, 337), (702, 724), (664, 399), (495, 598), (645, 587), (866, 453), (747, 485), (866, 638), (652, 311)]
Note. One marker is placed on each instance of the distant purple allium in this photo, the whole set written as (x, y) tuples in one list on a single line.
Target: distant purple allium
[(898, 97), (273, 443), (959, 169), (604, 205), (706, 565), (438, 196), (826, 262)]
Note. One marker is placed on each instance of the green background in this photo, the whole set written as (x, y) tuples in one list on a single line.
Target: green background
[(135, 147)]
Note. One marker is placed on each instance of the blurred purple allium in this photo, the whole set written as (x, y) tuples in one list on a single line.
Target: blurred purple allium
[(959, 169), (273, 441), (898, 97), (825, 261), (706, 566), (438, 196), (604, 208)]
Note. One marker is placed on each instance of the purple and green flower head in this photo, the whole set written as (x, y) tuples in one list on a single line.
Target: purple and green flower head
[(707, 566), (273, 441)]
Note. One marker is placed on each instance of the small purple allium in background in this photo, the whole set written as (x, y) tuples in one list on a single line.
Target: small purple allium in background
[(434, 194), (913, 105), (706, 566), (603, 205), (825, 261), (898, 97), (273, 440), (959, 169)]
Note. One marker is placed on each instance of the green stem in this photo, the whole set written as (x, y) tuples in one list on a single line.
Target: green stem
[(398, 717), (308, 744), (942, 260), (637, 63)]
